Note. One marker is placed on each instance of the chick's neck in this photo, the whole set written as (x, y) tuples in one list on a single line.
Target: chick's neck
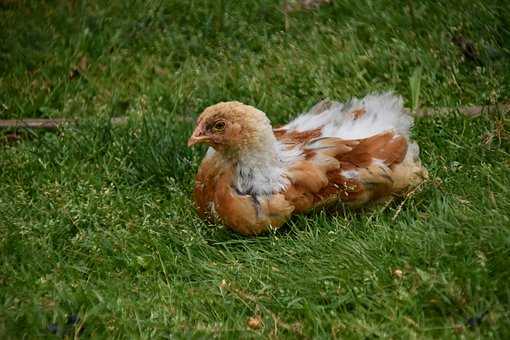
[(260, 165)]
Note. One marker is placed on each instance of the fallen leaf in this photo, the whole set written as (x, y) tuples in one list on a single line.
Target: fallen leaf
[(80, 68), (458, 329), (467, 48), (255, 322), (398, 273)]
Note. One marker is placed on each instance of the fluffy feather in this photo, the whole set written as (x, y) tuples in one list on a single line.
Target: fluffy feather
[(253, 177)]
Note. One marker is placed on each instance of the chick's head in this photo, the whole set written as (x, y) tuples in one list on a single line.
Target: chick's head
[(231, 127)]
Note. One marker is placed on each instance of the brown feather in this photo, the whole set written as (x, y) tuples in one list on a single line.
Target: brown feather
[(358, 113), (246, 214), (387, 147), (296, 137)]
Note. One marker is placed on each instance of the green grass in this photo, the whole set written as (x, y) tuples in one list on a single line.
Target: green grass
[(97, 221)]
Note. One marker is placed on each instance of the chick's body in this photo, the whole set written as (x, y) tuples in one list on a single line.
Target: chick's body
[(253, 177)]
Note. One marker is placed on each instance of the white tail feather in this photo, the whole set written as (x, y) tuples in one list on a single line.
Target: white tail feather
[(381, 112)]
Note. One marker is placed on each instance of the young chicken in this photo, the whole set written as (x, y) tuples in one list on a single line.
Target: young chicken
[(253, 177)]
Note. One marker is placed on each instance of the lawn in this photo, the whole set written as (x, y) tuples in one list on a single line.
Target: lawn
[(98, 234)]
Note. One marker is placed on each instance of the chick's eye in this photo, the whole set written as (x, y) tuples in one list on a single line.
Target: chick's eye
[(219, 126)]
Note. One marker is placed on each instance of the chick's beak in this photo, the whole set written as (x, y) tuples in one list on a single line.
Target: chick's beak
[(197, 137)]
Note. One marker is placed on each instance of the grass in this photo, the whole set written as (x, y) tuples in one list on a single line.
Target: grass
[(97, 221)]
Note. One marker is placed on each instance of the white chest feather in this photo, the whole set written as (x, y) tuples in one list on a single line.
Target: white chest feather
[(264, 172)]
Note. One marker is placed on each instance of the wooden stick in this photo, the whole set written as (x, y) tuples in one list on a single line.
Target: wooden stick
[(469, 111), (49, 123), (54, 123)]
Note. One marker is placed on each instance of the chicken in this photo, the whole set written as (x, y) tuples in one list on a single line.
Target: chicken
[(254, 177)]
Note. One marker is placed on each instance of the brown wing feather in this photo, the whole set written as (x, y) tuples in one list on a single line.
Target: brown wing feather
[(311, 189), (387, 147), (296, 137)]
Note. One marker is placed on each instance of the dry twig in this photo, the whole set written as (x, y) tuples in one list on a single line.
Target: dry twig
[(469, 111), (408, 195), (49, 123)]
